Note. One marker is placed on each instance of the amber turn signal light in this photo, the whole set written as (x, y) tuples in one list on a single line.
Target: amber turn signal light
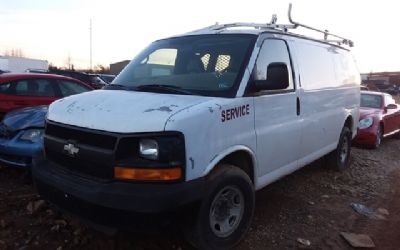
[(148, 174)]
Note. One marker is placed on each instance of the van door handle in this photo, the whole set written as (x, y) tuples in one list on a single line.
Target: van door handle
[(298, 106)]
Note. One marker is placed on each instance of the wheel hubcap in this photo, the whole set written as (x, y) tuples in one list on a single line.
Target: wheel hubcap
[(345, 149), (226, 211)]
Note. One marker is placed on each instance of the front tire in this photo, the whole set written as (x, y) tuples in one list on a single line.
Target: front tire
[(226, 212), (339, 159)]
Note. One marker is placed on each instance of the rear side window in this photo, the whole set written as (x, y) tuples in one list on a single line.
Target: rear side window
[(31, 87), (5, 88), (71, 88), (21, 88), (44, 87)]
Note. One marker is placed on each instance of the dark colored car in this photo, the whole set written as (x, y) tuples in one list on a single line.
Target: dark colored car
[(28, 89), (107, 77), (21, 136), (379, 117), (90, 79)]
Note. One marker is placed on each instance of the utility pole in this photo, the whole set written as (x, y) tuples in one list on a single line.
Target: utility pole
[(90, 29)]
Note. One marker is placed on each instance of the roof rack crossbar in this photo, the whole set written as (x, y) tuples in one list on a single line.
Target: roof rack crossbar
[(219, 27)]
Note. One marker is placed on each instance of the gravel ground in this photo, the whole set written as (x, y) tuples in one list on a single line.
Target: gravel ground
[(312, 204)]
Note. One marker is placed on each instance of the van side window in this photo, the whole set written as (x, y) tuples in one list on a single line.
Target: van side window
[(312, 56), (273, 51)]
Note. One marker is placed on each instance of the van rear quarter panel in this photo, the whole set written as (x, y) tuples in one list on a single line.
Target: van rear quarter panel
[(329, 93)]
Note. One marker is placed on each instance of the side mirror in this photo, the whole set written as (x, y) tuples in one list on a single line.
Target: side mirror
[(391, 106), (277, 78)]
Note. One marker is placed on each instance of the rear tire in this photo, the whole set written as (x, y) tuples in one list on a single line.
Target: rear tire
[(339, 159), (226, 211)]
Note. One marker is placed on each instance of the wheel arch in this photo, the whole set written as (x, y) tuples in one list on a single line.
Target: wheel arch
[(349, 122), (239, 156)]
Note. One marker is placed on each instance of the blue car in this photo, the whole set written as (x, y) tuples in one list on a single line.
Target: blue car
[(21, 136)]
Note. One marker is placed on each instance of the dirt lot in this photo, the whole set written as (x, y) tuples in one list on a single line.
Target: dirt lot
[(312, 204)]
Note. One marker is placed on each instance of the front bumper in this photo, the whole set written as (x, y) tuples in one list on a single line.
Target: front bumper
[(16, 153), (111, 203), (365, 137)]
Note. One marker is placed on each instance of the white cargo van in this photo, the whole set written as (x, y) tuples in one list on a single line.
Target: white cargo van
[(203, 118)]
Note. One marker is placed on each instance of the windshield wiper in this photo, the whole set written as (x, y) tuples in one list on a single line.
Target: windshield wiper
[(163, 88), (116, 87)]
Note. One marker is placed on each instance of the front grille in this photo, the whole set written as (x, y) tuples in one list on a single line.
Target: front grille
[(86, 137), (95, 156), (83, 167)]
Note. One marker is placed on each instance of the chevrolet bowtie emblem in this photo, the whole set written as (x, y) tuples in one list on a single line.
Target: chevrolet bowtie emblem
[(71, 149)]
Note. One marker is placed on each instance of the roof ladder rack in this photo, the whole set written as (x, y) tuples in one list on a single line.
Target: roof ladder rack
[(283, 27), (326, 33)]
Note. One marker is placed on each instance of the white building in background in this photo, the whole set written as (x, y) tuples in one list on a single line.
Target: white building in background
[(22, 64)]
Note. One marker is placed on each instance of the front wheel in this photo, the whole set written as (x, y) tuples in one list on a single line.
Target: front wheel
[(226, 212), (339, 159)]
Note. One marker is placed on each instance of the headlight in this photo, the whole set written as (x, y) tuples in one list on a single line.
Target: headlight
[(148, 148), (32, 135), (365, 123)]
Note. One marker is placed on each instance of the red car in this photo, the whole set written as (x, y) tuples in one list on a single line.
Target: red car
[(379, 117), (26, 90)]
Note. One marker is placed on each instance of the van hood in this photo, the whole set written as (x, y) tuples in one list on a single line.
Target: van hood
[(120, 111)]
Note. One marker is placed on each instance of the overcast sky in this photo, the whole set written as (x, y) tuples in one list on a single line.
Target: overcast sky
[(57, 29)]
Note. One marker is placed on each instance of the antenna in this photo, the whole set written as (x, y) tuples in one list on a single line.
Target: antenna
[(90, 30)]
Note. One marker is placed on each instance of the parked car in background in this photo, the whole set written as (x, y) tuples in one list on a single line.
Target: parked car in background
[(106, 77), (29, 89), (90, 79), (379, 117), (21, 136), (98, 81), (21, 130)]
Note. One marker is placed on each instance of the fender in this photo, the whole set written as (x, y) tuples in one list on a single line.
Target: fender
[(217, 158)]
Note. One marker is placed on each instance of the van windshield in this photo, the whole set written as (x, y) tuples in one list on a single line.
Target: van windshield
[(210, 65)]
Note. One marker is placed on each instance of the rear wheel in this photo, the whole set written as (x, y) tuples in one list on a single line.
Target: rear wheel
[(226, 212), (339, 159)]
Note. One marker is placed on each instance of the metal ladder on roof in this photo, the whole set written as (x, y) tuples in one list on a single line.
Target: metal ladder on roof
[(339, 40)]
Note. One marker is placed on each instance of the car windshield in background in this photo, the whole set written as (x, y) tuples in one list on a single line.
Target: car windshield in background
[(371, 101), (107, 78), (210, 65)]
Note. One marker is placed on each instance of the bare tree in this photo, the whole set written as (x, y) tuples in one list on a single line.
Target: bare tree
[(14, 52)]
